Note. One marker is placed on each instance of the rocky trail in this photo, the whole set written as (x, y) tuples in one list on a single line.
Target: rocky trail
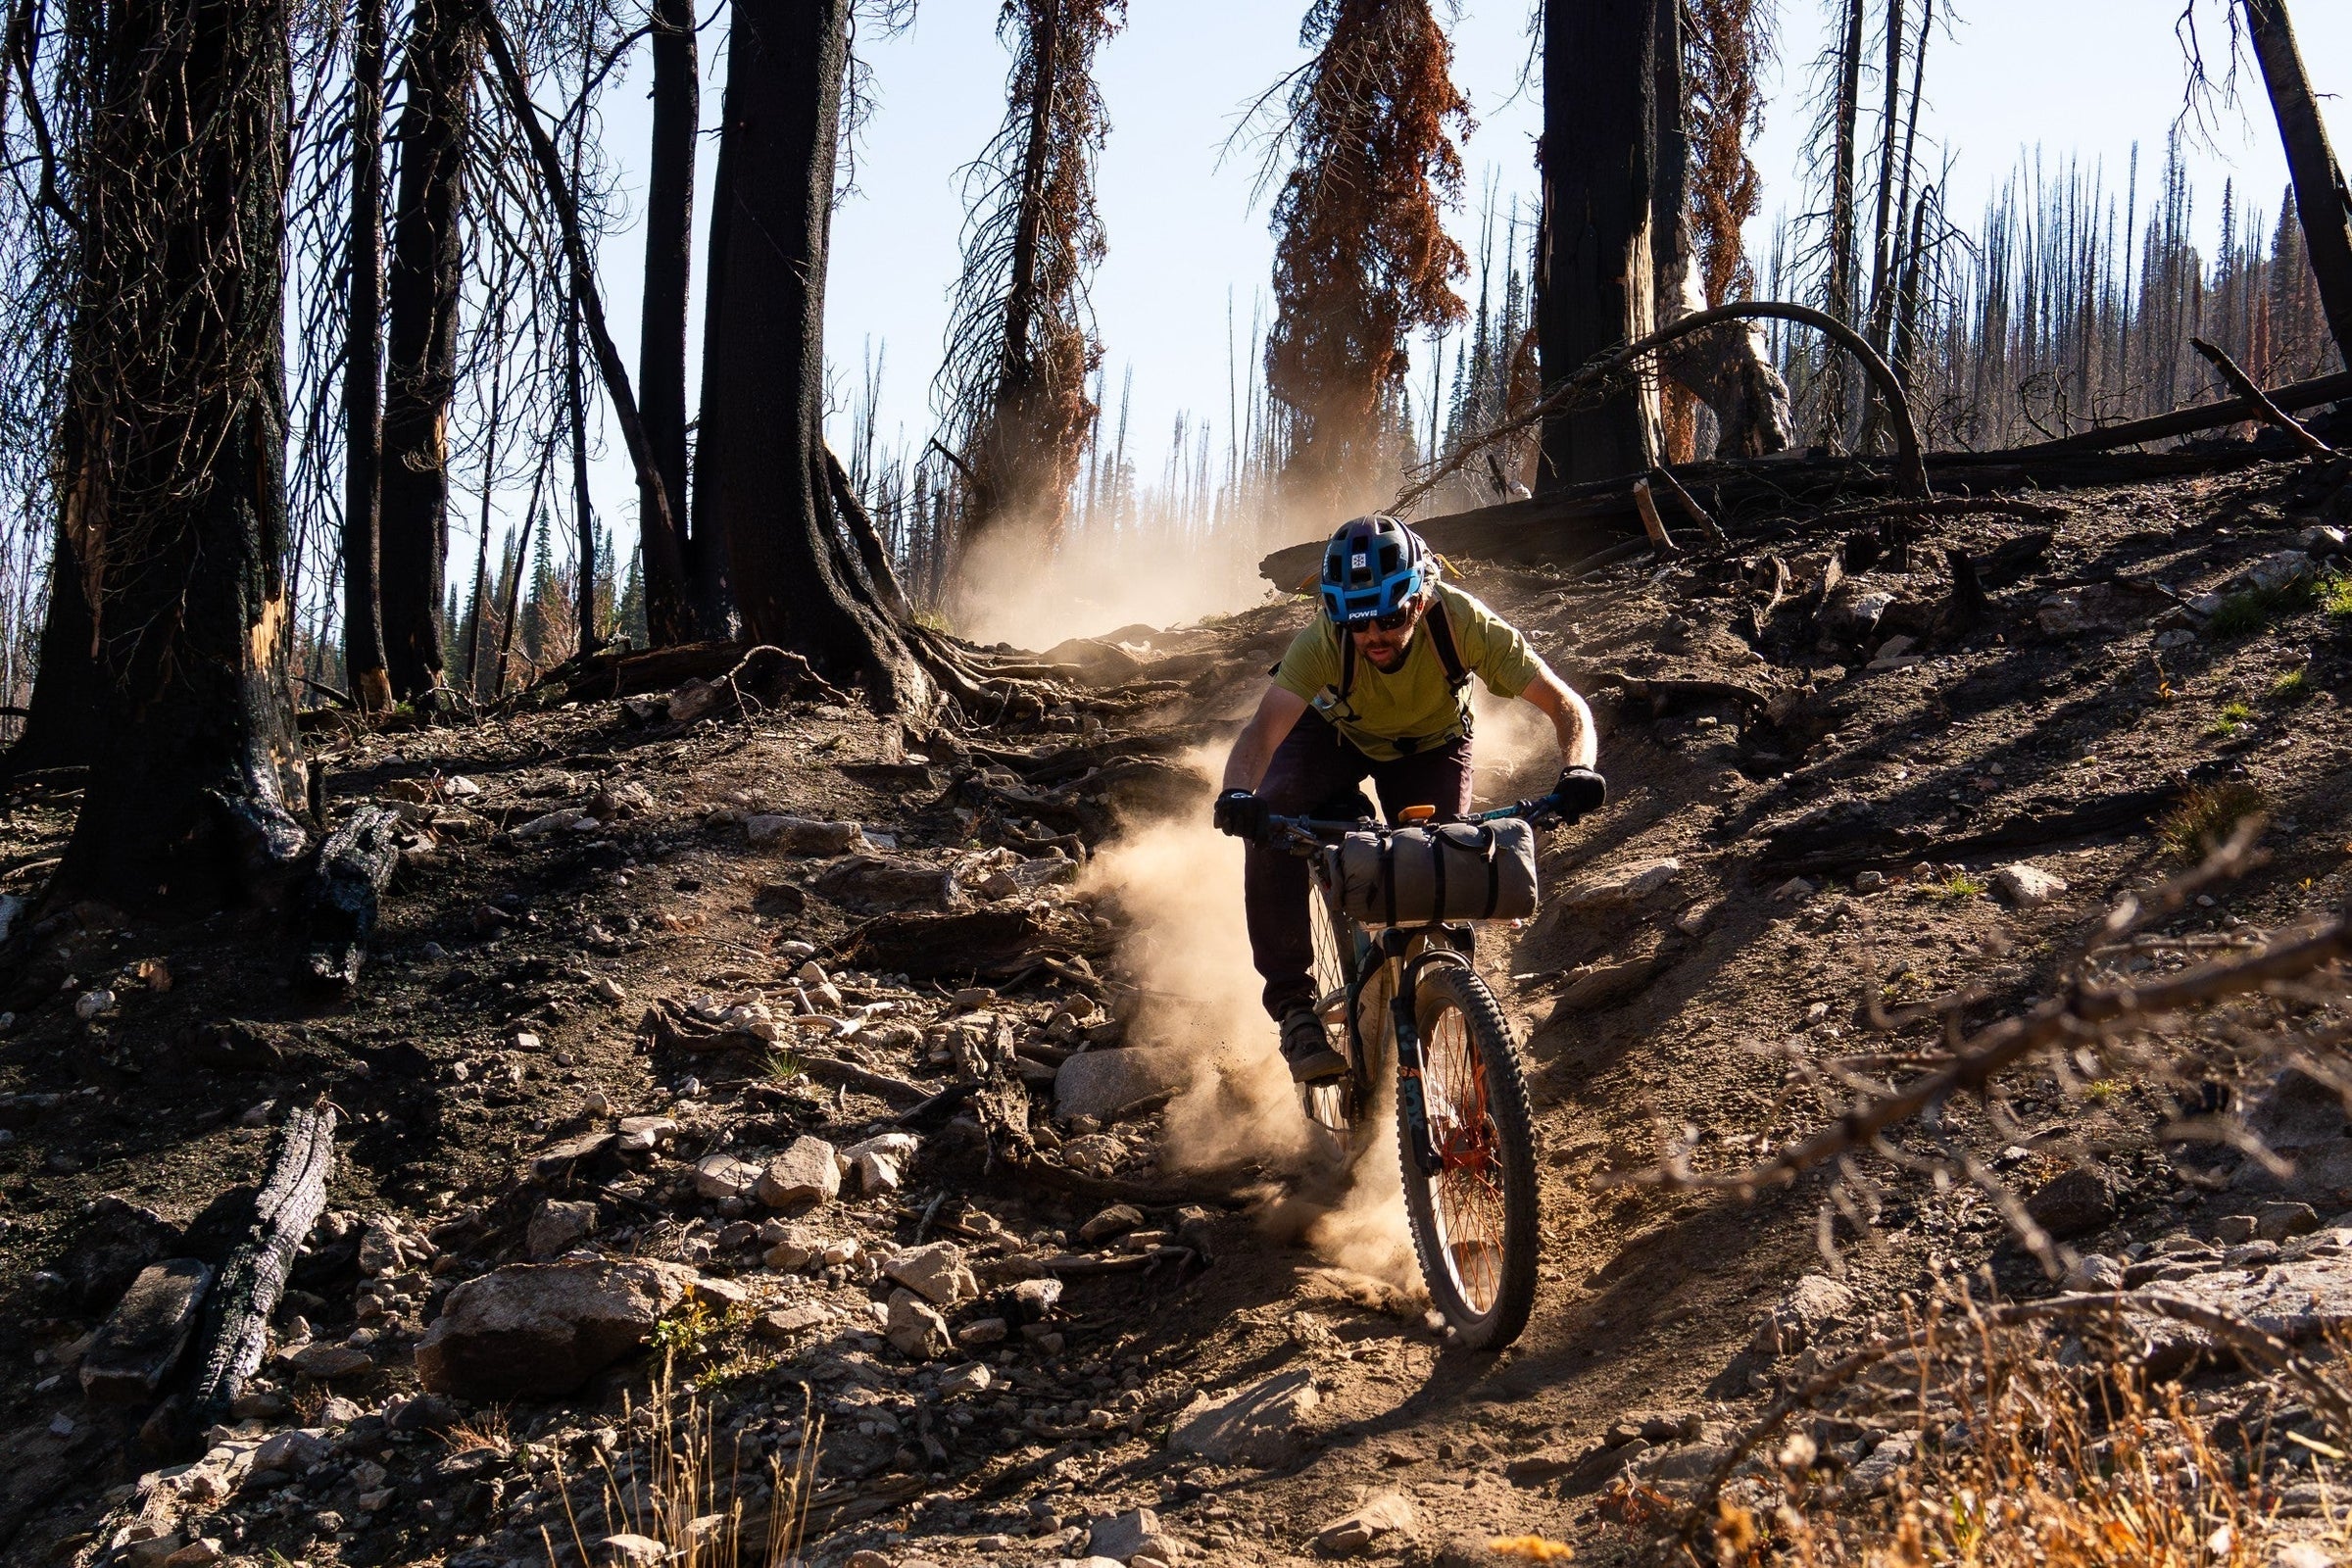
[(758, 1129)]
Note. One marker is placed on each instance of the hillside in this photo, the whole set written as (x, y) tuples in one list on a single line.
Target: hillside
[(649, 965)]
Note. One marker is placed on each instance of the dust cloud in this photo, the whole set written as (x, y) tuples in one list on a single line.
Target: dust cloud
[(1178, 883), (1012, 587)]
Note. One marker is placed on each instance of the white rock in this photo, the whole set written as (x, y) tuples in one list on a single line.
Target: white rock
[(553, 823), (971, 1377), (718, 1176), (2026, 886), (806, 1172), (1104, 1084), (799, 835), (938, 1271), (1796, 887), (916, 1327), (90, 1004), (2280, 569)]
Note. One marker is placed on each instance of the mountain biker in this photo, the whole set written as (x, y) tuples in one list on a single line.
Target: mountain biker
[(1363, 693)]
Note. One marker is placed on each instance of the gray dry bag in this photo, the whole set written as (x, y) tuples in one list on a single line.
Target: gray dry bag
[(1451, 871)]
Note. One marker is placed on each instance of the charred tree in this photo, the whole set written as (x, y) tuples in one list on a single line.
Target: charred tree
[(362, 374), (175, 506), (422, 289), (684, 585), (1728, 368), (63, 722), (1596, 287), (1361, 256), (2322, 199), (1022, 342), (760, 462)]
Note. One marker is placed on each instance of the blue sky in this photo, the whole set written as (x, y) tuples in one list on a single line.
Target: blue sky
[(2068, 78)]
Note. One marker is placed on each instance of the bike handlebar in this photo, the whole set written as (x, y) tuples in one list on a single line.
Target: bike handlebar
[(1315, 831)]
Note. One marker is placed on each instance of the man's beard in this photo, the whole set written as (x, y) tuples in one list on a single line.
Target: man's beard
[(1390, 662)]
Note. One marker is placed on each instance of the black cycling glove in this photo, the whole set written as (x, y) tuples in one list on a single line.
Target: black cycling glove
[(1241, 813), (1580, 790)]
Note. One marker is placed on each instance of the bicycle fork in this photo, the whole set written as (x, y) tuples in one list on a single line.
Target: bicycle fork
[(1405, 1030)]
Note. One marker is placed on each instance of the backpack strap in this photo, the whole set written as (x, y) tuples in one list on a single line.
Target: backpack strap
[(1440, 637), (1347, 666)]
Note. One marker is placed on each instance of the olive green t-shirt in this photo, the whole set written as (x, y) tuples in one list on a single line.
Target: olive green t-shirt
[(1415, 704)]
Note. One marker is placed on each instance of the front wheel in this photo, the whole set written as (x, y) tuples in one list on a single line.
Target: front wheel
[(1474, 1222)]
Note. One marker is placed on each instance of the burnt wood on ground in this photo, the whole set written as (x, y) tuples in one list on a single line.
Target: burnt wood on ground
[(236, 1326), (355, 864)]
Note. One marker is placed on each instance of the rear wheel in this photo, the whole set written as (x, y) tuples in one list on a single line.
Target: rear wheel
[(1331, 1104), (1474, 1222)]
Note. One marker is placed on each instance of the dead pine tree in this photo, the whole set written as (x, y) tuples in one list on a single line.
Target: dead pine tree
[(362, 374), (1021, 343), (808, 569), (423, 287), (685, 585), (1361, 258), (2323, 201), (176, 505)]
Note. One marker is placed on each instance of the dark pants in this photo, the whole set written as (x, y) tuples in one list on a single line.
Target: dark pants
[(1315, 772)]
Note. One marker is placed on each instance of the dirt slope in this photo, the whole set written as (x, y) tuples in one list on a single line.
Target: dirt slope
[(580, 925)]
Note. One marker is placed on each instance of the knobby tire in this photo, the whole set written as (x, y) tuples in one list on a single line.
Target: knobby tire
[(1496, 1186)]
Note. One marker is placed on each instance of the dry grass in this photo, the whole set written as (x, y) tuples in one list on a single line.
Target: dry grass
[(2206, 816), (677, 1488), (2019, 1463)]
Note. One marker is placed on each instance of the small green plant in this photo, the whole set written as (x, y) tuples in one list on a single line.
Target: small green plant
[(2250, 610), (2336, 597), (1960, 884), (2233, 716), (686, 1333), (782, 1065), (2205, 817), (2291, 687)]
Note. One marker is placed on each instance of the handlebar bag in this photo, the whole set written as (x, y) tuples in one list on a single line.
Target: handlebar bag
[(1451, 871)]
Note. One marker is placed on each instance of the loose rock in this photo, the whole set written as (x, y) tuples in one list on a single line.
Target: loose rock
[(538, 1329), (805, 1174)]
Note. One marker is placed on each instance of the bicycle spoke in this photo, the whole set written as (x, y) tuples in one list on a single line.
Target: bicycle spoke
[(1467, 1189)]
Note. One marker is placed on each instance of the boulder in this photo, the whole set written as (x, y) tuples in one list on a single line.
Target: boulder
[(783, 1322), (1813, 1304), (1382, 1514), (2281, 568), (327, 1362), (541, 1329), (2304, 1123), (805, 1174), (2026, 886), (799, 835), (1116, 1220), (1107, 1083), (718, 1176), (2276, 1222), (557, 1227), (1125, 1536), (1264, 1424), (874, 882), (937, 1272), (916, 1327), (2073, 1203), (144, 1337)]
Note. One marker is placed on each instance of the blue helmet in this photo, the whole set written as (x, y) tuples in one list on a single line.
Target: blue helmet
[(1373, 567)]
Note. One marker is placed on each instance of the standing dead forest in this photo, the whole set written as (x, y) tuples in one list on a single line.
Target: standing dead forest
[(613, 951)]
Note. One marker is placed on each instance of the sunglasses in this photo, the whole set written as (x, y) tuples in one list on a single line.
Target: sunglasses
[(1394, 620)]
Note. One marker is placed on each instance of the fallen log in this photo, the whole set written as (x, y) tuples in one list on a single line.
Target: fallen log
[(236, 1330), (2244, 386), (2191, 420), (354, 865)]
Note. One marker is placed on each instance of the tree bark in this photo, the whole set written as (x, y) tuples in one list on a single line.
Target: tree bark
[(761, 463), (1594, 289), (363, 375), (583, 513), (1730, 369), (422, 289), (680, 605), (176, 505), (2322, 200), (63, 725)]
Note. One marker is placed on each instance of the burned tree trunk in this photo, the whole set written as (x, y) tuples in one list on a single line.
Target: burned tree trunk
[(177, 503), (1021, 347), (682, 593), (762, 463), (1727, 368), (1595, 288), (363, 375), (2320, 196), (422, 289)]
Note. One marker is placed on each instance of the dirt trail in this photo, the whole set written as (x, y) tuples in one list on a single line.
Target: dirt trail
[(595, 927)]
